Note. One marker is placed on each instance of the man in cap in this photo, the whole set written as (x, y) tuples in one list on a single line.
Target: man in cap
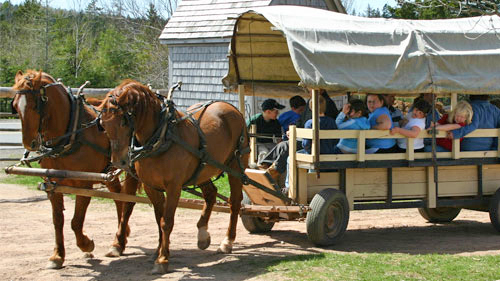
[(268, 125)]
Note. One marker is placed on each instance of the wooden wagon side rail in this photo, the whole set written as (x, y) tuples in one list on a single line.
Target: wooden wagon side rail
[(363, 135)]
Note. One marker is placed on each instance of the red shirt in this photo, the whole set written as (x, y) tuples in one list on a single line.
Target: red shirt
[(444, 142)]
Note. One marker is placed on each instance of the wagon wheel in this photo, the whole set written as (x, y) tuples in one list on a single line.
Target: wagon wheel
[(254, 224), (439, 215), (327, 221), (495, 210)]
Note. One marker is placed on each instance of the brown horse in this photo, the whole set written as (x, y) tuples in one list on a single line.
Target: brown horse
[(133, 109), (45, 110)]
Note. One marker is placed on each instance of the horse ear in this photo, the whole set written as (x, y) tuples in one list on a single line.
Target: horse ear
[(19, 76)]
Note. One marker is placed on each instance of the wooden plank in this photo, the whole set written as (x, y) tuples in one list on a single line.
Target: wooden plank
[(361, 145), (302, 186), (241, 99), (455, 149), (431, 188), (454, 101), (246, 209), (349, 187), (253, 146), (183, 203), (304, 157), (292, 163), (257, 195), (410, 149), (315, 127)]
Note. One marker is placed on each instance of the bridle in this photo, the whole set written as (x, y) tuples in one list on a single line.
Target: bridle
[(41, 102)]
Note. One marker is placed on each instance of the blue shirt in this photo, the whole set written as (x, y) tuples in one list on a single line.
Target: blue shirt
[(486, 116), (326, 146), (372, 119), (288, 118), (361, 123)]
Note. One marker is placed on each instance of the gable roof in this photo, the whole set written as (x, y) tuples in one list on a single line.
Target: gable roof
[(341, 53), (213, 20)]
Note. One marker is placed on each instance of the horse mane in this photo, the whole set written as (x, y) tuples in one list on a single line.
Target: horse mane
[(33, 75), (134, 93)]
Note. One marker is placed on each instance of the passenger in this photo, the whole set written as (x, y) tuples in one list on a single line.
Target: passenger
[(352, 117), (379, 119), (495, 102), (298, 105), (428, 118), (331, 110), (459, 117), (396, 114), (326, 146), (412, 128), (267, 124), (486, 116)]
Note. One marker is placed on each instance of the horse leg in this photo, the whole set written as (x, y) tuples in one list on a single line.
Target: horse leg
[(57, 259), (130, 186), (226, 246), (157, 199), (82, 240), (167, 224), (209, 193)]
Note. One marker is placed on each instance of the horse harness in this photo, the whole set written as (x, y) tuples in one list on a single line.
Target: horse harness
[(166, 134), (72, 140)]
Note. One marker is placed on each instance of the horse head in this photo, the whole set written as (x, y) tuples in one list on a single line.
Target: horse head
[(125, 113), (30, 102)]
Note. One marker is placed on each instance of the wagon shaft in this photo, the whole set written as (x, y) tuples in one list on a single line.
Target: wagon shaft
[(183, 203), (65, 174)]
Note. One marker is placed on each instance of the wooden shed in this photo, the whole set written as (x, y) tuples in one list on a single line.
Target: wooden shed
[(198, 37)]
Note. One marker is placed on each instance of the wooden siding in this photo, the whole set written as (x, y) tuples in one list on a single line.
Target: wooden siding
[(200, 68)]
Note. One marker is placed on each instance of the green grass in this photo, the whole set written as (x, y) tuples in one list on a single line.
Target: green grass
[(329, 266), (29, 181)]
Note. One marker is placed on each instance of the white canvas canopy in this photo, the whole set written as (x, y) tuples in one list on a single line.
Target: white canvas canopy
[(275, 48)]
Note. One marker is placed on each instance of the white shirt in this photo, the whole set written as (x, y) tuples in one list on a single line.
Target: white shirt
[(413, 122)]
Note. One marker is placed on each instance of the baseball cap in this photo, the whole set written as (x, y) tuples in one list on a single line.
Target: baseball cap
[(271, 104)]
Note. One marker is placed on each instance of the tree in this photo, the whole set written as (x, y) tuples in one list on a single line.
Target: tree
[(440, 9)]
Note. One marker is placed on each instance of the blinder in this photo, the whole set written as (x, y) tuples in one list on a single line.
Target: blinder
[(14, 110)]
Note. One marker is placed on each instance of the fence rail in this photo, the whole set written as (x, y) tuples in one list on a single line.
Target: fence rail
[(6, 92)]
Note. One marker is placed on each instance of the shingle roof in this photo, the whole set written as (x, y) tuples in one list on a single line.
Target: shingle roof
[(202, 19)]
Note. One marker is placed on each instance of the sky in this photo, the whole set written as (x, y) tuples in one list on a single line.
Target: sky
[(358, 5)]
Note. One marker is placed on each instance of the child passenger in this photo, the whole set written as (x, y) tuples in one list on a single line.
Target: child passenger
[(352, 117), (460, 116), (413, 126)]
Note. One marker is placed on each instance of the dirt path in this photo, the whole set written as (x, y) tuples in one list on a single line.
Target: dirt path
[(26, 241)]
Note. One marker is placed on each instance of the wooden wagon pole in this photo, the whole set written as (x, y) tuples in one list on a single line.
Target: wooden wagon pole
[(52, 173), (183, 203)]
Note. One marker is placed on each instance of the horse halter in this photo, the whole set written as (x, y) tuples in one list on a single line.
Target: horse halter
[(41, 101)]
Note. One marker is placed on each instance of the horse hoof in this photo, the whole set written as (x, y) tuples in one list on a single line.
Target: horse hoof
[(226, 247), (203, 244), (160, 268), (114, 252), (54, 264), (87, 247), (88, 255)]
